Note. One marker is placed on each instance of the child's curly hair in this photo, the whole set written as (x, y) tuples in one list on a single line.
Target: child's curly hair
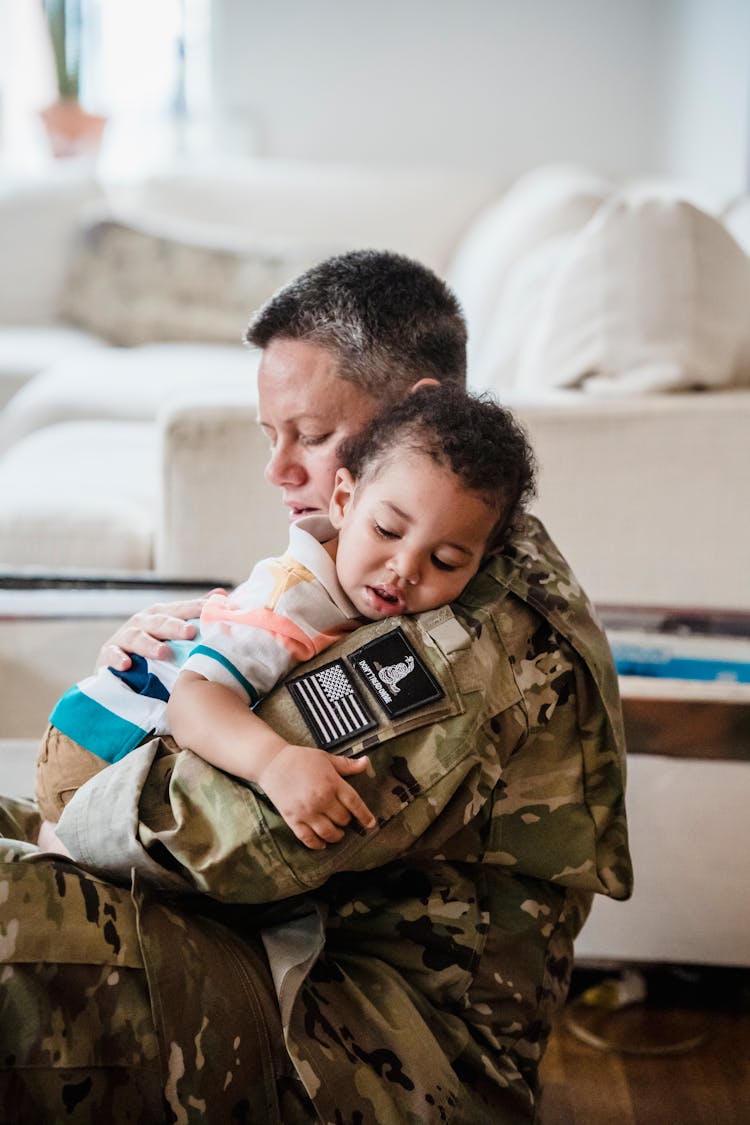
[(473, 436)]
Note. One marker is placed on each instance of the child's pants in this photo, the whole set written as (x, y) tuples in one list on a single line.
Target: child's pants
[(62, 767)]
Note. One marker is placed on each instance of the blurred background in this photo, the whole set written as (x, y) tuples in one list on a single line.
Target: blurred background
[(626, 86)]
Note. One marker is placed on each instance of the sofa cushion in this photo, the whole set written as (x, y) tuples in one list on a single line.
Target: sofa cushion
[(540, 206), (124, 384), (652, 295), (26, 350), (135, 281), (82, 495)]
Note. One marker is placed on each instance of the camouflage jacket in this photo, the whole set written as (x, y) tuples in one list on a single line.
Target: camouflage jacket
[(425, 958)]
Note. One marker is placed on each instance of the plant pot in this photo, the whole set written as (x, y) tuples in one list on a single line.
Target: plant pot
[(72, 131)]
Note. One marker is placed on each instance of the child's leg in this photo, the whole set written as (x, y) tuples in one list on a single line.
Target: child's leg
[(62, 767)]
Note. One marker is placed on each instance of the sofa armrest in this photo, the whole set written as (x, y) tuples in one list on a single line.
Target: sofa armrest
[(647, 495), (218, 515)]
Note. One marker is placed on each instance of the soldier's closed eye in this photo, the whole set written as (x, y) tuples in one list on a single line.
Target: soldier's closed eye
[(313, 439)]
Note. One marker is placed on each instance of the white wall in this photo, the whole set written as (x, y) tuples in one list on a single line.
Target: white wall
[(496, 84), (708, 99), (500, 84)]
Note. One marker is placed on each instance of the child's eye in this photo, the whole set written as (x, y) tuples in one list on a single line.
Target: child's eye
[(384, 533), (439, 564), (316, 439)]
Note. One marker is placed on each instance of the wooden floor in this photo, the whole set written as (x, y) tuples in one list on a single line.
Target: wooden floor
[(706, 1084)]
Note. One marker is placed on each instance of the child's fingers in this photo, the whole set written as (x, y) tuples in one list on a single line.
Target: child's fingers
[(348, 796), (352, 801), (325, 829), (318, 833), (307, 837)]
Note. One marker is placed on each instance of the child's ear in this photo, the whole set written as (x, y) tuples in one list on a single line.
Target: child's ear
[(344, 487), (426, 382)]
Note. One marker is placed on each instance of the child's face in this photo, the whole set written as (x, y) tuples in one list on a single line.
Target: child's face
[(410, 537)]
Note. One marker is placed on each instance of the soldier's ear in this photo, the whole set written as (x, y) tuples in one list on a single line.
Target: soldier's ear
[(344, 487)]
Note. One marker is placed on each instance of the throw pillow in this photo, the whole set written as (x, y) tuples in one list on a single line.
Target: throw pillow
[(652, 295), (736, 218), (541, 205), (132, 281), (514, 315)]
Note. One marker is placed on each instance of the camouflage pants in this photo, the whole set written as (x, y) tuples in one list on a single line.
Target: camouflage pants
[(117, 1007)]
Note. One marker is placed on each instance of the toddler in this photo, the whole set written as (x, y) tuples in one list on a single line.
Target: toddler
[(426, 492)]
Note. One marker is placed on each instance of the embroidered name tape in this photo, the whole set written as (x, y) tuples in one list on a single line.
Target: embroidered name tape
[(330, 704), (395, 674)]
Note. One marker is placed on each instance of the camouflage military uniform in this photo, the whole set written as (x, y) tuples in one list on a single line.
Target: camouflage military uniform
[(416, 966)]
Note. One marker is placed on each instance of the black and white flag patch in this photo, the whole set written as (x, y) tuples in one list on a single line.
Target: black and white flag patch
[(331, 704), (395, 674)]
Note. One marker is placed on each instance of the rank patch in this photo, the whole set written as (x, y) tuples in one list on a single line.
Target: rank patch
[(330, 704), (395, 674)]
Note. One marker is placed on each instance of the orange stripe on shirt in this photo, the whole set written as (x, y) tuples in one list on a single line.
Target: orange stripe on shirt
[(288, 634)]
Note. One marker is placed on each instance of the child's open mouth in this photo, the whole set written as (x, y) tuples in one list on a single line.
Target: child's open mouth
[(385, 601)]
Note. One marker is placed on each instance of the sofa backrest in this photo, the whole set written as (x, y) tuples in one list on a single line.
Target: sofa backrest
[(37, 222), (422, 212)]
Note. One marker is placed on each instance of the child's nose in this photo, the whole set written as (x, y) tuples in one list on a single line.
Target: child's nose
[(405, 565)]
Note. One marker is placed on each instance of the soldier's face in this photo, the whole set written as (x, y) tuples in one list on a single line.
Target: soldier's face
[(306, 410), (410, 536)]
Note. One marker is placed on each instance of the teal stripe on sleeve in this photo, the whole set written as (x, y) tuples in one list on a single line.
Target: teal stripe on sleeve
[(181, 649), (219, 657), (95, 727)]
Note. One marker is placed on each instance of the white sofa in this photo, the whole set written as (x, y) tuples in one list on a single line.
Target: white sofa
[(115, 299), (592, 311)]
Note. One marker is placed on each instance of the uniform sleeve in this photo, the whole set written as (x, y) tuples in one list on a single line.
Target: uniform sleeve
[(429, 771), (515, 762)]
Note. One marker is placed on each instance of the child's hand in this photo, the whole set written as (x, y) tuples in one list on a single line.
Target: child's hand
[(308, 789)]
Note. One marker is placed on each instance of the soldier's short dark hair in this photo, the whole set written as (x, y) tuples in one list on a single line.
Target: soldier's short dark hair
[(389, 321), (476, 438)]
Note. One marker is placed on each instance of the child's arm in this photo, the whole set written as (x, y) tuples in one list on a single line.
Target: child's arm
[(306, 785)]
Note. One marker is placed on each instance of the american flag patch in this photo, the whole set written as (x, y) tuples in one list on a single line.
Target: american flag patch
[(330, 704)]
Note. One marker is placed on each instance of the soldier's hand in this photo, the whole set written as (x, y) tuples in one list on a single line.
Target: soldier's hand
[(146, 633), (308, 788)]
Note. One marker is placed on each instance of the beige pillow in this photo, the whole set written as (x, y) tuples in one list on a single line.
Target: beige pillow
[(132, 281), (652, 295), (541, 205), (514, 315), (736, 218)]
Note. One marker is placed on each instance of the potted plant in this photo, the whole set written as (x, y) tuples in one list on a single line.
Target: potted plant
[(71, 130)]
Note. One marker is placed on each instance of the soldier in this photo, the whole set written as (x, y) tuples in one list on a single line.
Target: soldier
[(224, 972)]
